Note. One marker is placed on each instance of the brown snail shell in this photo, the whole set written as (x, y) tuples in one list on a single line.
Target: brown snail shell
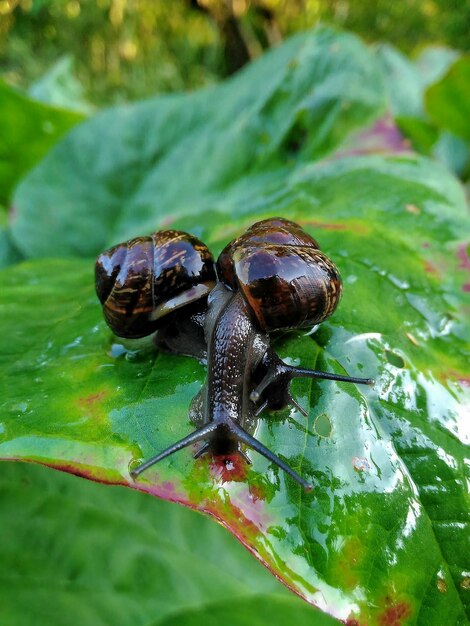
[(140, 281), (274, 230), (283, 276)]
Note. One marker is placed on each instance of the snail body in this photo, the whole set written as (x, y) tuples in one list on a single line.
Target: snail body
[(274, 277)]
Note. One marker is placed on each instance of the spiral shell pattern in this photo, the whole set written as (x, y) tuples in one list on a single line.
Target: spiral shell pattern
[(284, 277), (143, 279)]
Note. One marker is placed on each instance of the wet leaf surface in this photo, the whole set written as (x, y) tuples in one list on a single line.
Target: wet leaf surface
[(448, 100), (380, 539)]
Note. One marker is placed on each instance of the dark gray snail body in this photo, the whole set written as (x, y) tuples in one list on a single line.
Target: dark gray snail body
[(271, 278)]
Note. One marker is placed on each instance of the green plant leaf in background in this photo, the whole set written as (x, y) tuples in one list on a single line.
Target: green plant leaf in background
[(177, 155), (421, 92), (448, 100), (98, 556), (381, 538), (8, 251), (28, 129), (60, 88), (408, 79)]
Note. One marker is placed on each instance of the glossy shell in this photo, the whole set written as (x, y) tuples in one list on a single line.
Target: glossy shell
[(284, 277), (275, 230), (141, 280)]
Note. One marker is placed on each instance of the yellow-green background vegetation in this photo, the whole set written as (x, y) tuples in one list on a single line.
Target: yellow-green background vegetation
[(129, 49)]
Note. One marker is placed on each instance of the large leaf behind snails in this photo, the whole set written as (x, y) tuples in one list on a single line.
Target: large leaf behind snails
[(381, 538), (27, 130)]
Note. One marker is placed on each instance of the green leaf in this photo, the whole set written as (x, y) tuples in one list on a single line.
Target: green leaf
[(381, 537), (414, 93), (8, 252), (177, 155), (28, 129), (59, 87), (75, 552), (448, 101), (407, 79)]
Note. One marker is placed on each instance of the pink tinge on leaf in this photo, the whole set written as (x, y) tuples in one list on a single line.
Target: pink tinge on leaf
[(92, 398), (395, 615), (229, 468), (12, 212), (382, 137), (462, 255)]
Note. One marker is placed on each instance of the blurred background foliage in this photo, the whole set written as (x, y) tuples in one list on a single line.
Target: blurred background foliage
[(130, 49)]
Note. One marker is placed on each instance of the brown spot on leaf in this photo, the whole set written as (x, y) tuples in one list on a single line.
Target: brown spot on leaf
[(413, 209), (358, 227), (92, 399), (325, 225), (244, 528), (257, 492), (349, 564), (395, 615), (441, 584), (429, 268), (465, 584)]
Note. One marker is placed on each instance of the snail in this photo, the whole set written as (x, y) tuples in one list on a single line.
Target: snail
[(273, 277)]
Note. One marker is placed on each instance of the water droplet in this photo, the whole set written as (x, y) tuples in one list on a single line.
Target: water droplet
[(117, 350), (322, 425), (48, 127), (134, 464), (73, 344), (412, 338), (401, 284), (395, 359), (312, 330)]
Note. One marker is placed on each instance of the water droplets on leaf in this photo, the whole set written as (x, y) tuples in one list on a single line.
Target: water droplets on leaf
[(322, 425), (395, 359)]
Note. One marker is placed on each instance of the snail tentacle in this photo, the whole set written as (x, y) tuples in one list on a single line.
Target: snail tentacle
[(201, 433), (243, 437), (279, 375)]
